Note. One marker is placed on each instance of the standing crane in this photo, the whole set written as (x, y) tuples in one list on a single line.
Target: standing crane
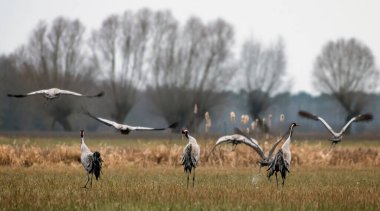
[(92, 162), (126, 129), (53, 93), (282, 159), (337, 137), (190, 156)]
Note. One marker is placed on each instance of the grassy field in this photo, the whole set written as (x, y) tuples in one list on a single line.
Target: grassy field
[(45, 173)]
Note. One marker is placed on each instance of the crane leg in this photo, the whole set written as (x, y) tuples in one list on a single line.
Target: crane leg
[(234, 147), (88, 179), (188, 176), (91, 180), (193, 177), (276, 179)]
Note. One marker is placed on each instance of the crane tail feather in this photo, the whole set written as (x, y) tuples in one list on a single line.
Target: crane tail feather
[(97, 164), (188, 161)]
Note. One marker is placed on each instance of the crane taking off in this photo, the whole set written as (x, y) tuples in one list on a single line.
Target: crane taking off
[(337, 137), (92, 162), (241, 138), (190, 156)]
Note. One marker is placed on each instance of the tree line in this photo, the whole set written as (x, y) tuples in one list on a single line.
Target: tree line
[(175, 65)]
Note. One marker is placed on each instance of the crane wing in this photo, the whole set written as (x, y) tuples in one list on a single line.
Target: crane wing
[(108, 122), (238, 139), (139, 128), (27, 94), (67, 92), (314, 117), (238, 131), (275, 145), (102, 120), (358, 118), (286, 150), (307, 115)]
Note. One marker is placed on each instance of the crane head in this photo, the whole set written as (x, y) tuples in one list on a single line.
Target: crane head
[(81, 133), (293, 125), (185, 132)]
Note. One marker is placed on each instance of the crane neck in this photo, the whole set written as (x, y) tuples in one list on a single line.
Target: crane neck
[(291, 131), (191, 139)]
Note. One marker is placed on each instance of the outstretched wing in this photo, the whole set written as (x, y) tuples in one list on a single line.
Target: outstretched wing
[(102, 120), (238, 131), (275, 145), (67, 92), (238, 139), (139, 128), (27, 94), (358, 118), (314, 117)]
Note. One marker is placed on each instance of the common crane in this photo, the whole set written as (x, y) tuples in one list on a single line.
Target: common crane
[(337, 137), (53, 93), (282, 159), (190, 156), (92, 162), (126, 129), (241, 138)]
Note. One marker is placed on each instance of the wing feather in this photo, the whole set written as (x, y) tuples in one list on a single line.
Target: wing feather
[(67, 92), (358, 118), (314, 117), (275, 145), (102, 120), (238, 139), (140, 128), (27, 94)]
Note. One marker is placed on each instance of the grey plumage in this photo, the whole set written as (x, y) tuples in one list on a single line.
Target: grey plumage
[(92, 162), (190, 156), (336, 136), (188, 161), (126, 129), (282, 159), (278, 165), (241, 138), (53, 93)]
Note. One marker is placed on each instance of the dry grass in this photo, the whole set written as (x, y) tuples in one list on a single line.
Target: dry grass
[(146, 175), (164, 153)]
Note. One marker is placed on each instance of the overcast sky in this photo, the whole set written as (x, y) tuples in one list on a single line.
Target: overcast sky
[(305, 26)]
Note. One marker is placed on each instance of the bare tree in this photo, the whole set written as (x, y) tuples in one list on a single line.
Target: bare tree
[(264, 70), (9, 81), (190, 65), (120, 50), (54, 58), (346, 70)]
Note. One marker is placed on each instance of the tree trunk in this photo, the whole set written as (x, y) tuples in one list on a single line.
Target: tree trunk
[(350, 115), (65, 124)]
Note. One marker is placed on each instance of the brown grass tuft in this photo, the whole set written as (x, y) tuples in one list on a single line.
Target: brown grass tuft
[(168, 154)]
